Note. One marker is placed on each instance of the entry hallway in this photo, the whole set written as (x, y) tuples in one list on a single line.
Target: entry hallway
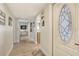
[(38, 29)]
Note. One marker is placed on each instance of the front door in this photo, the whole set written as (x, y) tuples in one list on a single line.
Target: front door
[(64, 29)]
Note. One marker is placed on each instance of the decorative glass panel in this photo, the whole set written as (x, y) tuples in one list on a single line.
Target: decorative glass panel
[(65, 23)]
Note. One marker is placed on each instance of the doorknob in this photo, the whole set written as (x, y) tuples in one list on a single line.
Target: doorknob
[(77, 44)]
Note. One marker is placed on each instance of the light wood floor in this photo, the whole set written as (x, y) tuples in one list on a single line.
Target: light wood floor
[(25, 48)]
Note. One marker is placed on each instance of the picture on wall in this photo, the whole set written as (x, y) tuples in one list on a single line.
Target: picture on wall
[(43, 23), (23, 27), (42, 19), (2, 18), (10, 21), (31, 27)]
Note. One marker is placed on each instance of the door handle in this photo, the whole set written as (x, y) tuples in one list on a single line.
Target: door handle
[(77, 44)]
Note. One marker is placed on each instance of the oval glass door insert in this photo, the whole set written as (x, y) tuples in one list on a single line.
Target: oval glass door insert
[(65, 22)]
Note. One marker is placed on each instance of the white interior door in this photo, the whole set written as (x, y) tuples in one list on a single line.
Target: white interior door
[(64, 29)]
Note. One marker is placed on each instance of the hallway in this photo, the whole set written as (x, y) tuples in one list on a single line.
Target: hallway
[(39, 29), (25, 48), (16, 20)]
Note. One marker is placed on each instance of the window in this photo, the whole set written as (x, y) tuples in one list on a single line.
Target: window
[(65, 23)]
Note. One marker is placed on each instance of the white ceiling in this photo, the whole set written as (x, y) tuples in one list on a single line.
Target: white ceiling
[(25, 10)]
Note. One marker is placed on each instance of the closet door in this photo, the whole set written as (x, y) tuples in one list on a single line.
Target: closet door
[(64, 27)]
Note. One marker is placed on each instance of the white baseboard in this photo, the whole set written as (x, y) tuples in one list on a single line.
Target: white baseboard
[(9, 51), (44, 51)]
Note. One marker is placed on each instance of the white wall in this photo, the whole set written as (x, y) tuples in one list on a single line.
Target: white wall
[(6, 34), (37, 26), (16, 31), (18, 22), (24, 22), (32, 34), (46, 31)]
